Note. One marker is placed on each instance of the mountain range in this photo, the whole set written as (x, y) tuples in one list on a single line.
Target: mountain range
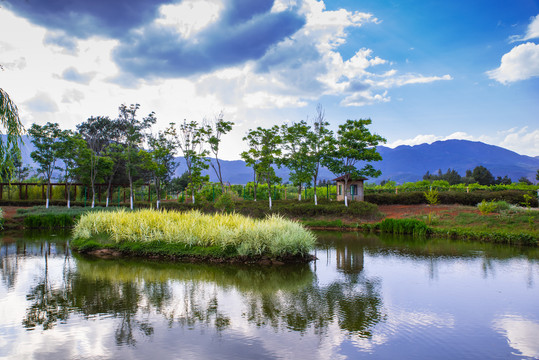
[(401, 164)]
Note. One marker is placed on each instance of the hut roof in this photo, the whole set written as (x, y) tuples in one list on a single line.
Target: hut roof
[(341, 178)]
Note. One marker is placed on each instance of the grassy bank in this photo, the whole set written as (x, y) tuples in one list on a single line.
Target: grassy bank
[(167, 233)]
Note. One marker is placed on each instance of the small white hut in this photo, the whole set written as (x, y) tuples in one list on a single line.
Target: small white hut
[(354, 188)]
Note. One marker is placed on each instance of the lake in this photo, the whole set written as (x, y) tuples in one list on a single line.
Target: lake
[(367, 296)]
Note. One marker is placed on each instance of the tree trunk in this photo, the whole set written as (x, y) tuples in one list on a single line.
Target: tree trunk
[(299, 192), (269, 195), (345, 192), (48, 193)]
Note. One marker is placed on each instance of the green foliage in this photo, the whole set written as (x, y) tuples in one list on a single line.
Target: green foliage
[(527, 200), (354, 143), (225, 203), (486, 207), (1, 219), (11, 126), (49, 221), (431, 196), (404, 226)]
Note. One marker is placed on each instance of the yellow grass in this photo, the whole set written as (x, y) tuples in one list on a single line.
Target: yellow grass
[(273, 235)]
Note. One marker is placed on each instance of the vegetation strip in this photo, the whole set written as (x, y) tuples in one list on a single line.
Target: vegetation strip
[(193, 234)]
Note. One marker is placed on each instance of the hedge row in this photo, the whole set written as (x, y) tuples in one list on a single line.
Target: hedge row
[(515, 197)]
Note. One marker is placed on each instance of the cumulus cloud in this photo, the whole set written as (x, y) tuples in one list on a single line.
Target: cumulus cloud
[(521, 63), (72, 96), (72, 74), (41, 103), (523, 141), (59, 38), (531, 33), (244, 31)]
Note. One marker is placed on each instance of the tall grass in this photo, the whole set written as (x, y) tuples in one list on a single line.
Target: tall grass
[(273, 236)]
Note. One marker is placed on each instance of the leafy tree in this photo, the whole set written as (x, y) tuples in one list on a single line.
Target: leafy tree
[(320, 139), (214, 132), (191, 142), (96, 132), (252, 157), (451, 176), (296, 157), (71, 149), (178, 184), (354, 143), (264, 152), (482, 175), (525, 180), (134, 135), (46, 142), (537, 175), (112, 159), (20, 172), (503, 181), (11, 126), (161, 158)]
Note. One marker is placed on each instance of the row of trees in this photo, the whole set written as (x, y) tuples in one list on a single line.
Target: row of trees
[(124, 150), (303, 148), (480, 175)]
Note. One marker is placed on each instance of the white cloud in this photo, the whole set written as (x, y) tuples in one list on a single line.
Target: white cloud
[(521, 63), (521, 334), (531, 33), (522, 141), (190, 16)]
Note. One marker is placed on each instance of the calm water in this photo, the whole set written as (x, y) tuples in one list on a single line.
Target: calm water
[(366, 297)]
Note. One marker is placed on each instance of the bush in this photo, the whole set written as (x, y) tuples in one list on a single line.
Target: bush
[(404, 226), (486, 207), (1, 219), (49, 221), (225, 203)]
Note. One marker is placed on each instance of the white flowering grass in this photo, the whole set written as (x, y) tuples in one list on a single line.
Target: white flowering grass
[(273, 235)]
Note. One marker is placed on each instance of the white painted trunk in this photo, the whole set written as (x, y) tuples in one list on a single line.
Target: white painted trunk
[(68, 204), (93, 203), (315, 199), (345, 200), (47, 204), (193, 197), (107, 205), (269, 201), (131, 202), (157, 204), (299, 196)]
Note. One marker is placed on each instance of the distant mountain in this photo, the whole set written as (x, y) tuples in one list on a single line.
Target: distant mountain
[(401, 164), (410, 163)]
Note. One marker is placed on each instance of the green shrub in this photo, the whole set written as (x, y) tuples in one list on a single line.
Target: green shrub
[(1, 219), (49, 221), (431, 196), (225, 203), (404, 226), (486, 207)]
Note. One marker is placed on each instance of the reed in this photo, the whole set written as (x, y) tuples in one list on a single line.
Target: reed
[(273, 236)]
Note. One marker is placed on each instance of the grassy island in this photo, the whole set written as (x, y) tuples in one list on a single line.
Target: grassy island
[(193, 235)]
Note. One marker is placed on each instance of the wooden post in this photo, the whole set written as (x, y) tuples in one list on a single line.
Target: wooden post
[(26, 192)]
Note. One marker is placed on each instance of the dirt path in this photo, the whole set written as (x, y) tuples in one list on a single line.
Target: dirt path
[(9, 211)]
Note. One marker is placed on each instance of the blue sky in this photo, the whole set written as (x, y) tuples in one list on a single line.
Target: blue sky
[(422, 71)]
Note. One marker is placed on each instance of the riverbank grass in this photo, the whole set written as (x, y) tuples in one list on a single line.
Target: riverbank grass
[(146, 232)]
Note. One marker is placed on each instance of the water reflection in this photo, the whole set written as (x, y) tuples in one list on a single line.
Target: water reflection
[(363, 293)]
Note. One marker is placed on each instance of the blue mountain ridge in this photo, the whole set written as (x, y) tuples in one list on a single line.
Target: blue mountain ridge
[(401, 164)]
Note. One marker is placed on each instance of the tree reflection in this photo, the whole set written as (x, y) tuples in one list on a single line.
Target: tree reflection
[(190, 295)]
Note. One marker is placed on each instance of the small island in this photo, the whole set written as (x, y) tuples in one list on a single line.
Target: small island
[(192, 236)]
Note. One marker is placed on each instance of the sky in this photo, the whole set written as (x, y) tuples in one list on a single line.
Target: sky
[(421, 70)]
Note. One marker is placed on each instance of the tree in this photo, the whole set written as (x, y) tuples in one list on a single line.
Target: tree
[(161, 158), (46, 142), (112, 156), (295, 142), (20, 172), (96, 132), (354, 143), (503, 181), (191, 142), (178, 184), (264, 152), (482, 175), (134, 135), (537, 175), (525, 180), (71, 149), (11, 126), (214, 132), (320, 140)]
